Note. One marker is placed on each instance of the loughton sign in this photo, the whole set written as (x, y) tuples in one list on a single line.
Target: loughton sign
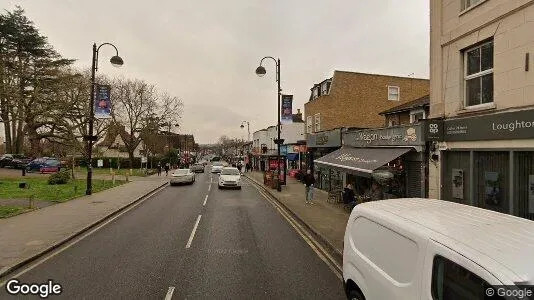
[(392, 136), (501, 126), (324, 139)]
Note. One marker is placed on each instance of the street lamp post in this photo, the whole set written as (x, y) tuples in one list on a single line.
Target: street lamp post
[(260, 71), (90, 138), (248, 128)]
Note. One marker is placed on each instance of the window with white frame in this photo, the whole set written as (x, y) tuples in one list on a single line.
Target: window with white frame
[(478, 72), (315, 93), (469, 3), (417, 115), (393, 93), (309, 124), (317, 122)]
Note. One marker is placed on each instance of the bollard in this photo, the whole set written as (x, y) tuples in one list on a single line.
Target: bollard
[(113, 178), (126, 174), (31, 201), (23, 171), (131, 171)]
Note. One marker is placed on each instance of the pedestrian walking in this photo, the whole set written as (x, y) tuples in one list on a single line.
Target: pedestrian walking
[(167, 167), (309, 181), (159, 169)]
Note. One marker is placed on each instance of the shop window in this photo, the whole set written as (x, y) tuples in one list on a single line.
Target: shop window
[(478, 72), (524, 184), (456, 177), (309, 124), (491, 178), (393, 93)]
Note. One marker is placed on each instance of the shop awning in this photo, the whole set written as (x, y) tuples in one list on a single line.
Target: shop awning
[(364, 160), (292, 156)]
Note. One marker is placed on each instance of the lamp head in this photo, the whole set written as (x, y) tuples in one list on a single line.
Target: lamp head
[(260, 71), (116, 61), (242, 126)]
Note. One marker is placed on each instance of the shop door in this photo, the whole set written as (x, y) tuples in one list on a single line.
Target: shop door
[(414, 171), (524, 184), (492, 180)]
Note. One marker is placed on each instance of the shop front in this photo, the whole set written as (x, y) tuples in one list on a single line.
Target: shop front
[(393, 158), (487, 161), (320, 144)]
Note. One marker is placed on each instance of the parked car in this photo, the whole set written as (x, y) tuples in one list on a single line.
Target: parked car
[(230, 177), (182, 176), (217, 167), (44, 165), (197, 168), (16, 161), (432, 249)]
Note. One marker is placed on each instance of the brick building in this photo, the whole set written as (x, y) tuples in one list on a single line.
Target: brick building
[(481, 104), (407, 113), (351, 99)]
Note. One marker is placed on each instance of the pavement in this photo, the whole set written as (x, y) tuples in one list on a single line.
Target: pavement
[(191, 242), (326, 220), (26, 236)]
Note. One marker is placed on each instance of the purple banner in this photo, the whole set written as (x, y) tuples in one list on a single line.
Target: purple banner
[(286, 116), (103, 102)]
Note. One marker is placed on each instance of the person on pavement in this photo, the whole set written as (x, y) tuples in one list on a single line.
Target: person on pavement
[(159, 169), (348, 196), (167, 167), (309, 181), (375, 193)]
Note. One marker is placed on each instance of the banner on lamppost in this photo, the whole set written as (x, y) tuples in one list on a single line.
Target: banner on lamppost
[(103, 102), (286, 116)]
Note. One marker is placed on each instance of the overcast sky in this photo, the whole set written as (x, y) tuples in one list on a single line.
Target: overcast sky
[(205, 52)]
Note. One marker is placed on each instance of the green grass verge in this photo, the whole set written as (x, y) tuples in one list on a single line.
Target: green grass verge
[(105, 171), (41, 190), (10, 211)]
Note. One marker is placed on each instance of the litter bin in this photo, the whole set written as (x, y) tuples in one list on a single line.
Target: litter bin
[(274, 183)]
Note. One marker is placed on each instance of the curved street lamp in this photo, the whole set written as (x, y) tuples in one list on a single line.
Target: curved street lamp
[(260, 71), (116, 61)]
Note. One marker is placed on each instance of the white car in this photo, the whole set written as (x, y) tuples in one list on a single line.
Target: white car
[(182, 176), (217, 167), (230, 177)]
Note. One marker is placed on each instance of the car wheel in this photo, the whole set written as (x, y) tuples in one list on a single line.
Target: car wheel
[(355, 295), (220, 188)]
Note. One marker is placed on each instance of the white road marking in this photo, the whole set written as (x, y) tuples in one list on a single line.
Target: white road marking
[(318, 249), (193, 233), (209, 187), (81, 237), (169, 293), (205, 200)]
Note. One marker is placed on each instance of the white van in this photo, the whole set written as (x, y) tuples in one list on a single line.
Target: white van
[(432, 249)]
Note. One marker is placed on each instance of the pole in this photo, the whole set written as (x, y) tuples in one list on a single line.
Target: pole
[(89, 189), (279, 187), (248, 129)]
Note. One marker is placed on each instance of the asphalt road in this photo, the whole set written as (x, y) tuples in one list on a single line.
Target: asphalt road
[(241, 249)]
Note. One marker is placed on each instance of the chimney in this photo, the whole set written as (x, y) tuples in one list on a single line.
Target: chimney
[(298, 115)]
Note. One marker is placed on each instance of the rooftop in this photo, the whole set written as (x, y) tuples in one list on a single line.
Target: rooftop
[(419, 102)]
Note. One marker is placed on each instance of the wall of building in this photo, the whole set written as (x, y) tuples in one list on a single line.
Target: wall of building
[(355, 99), (291, 133), (509, 23)]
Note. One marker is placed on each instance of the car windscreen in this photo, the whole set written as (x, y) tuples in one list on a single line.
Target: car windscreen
[(230, 172), (181, 172), (217, 164)]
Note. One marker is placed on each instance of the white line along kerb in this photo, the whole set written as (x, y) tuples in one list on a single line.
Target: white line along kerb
[(193, 233), (169, 293), (205, 200)]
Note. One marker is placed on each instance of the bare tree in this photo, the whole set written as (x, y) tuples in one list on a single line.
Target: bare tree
[(137, 106)]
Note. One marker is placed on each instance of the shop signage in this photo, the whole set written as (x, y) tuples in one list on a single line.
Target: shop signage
[(433, 129), (326, 139), (501, 126), (391, 136), (283, 149), (299, 148)]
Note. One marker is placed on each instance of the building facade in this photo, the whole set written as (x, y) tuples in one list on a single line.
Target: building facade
[(351, 99), (482, 104)]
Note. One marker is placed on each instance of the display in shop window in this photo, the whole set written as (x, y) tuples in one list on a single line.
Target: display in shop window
[(458, 184), (493, 188)]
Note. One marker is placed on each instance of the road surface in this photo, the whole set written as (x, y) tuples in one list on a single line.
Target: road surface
[(192, 242)]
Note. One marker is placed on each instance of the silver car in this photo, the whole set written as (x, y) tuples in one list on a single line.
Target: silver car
[(197, 168), (182, 176)]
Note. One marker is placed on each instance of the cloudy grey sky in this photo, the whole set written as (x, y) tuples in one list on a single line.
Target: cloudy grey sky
[(205, 52)]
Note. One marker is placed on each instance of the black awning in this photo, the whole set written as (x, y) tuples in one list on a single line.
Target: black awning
[(364, 160)]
